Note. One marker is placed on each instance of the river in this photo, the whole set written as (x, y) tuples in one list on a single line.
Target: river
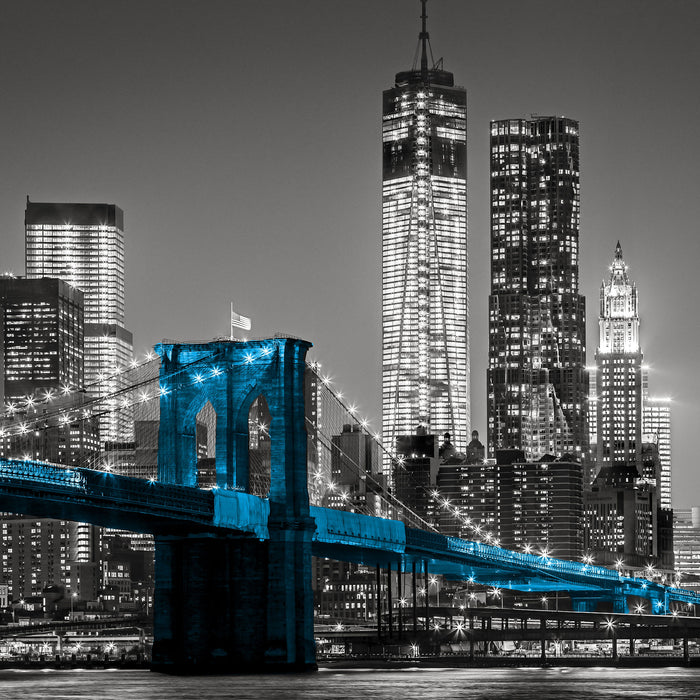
[(407, 684)]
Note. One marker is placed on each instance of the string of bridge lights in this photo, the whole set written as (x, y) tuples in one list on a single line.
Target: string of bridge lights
[(66, 415), (88, 410), (480, 533), (50, 395), (320, 478)]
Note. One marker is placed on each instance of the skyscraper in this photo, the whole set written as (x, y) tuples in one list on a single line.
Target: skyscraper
[(425, 340), (41, 341), (619, 370), (656, 427), (624, 518), (42, 338), (83, 244), (41, 348), (537, 383)]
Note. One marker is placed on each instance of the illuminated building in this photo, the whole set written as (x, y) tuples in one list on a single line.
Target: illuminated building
[(42, 353), (656, 421), (354, 466), (35, 553), (415, 472), (42, 338), (619, 370), (425, 341), (536, 381), (83, 244), (686, 546), (526, 506), (625, 519), (619, 518), (41, 323)]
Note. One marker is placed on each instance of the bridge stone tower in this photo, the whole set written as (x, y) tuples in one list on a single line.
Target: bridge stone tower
[(230, 602)]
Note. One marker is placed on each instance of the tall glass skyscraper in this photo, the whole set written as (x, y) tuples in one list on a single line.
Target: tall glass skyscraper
[(537, 382), (656, 427), (425, 340), (83, 244)]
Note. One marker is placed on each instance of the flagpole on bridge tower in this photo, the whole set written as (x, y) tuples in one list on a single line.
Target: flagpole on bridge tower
[(238, 321)]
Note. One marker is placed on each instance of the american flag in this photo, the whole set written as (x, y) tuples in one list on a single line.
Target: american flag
[(238, 321)]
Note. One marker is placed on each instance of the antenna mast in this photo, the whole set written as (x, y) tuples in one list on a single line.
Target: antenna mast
[(424, 45)]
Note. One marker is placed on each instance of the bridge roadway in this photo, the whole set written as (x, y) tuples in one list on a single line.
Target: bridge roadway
[(103, 498)]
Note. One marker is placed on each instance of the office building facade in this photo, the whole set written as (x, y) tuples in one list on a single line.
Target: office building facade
[(526, 506), (42, 339), (83, 245), (536, 378), (656, 422), (41, 326), (686, 546), (425, 340)]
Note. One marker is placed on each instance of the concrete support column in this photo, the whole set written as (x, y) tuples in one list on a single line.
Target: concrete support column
[(390, 602), (415, 602), (471, 636), (543, 639), (426, 585), (632, 626), (379, 601)]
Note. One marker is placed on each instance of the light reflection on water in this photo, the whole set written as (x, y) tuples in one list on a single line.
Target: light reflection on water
[(406, 684)]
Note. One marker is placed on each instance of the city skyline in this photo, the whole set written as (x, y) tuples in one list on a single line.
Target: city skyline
[(213, 149)]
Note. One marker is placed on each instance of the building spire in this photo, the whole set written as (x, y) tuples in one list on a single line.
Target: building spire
[(618, 251), (424, 38)]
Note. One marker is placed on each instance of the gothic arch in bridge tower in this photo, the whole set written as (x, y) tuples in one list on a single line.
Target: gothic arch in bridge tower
[(232, 377)]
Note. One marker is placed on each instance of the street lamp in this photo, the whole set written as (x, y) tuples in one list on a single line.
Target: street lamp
[(544, 602), (72, 598)]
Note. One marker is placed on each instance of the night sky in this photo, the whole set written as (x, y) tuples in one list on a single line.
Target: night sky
[(242, 140)]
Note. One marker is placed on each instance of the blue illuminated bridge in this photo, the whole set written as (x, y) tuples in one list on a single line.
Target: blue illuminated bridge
[(233, 570)]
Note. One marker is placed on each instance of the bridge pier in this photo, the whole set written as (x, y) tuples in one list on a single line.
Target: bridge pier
[(226, 605)]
